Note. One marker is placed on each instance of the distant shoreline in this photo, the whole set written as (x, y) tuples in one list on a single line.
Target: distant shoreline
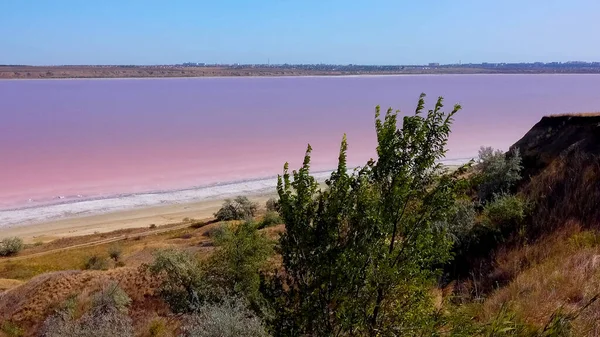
[(135, 72)]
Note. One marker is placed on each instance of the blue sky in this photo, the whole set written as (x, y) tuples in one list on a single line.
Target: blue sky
[(42, 32)]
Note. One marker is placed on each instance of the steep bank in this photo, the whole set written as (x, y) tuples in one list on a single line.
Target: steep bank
[(561, 171)]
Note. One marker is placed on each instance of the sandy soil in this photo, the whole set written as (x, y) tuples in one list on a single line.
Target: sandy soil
[(102, 223)]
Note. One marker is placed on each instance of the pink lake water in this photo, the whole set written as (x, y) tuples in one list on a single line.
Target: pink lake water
[(84, 146)]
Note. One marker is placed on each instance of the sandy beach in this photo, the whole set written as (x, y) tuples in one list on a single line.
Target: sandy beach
[(108, 222)]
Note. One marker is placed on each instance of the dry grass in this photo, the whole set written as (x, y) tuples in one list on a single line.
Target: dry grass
[(29, 304), (560, 272), (54, 277), (135, 251), (568, 190), (576, 114), (6, 284)]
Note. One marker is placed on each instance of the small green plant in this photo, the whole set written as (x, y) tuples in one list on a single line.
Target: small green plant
[(11, 246), (96, 262), (157, 328), (270, 219), (112, 296), (11, 329), (114, 252)]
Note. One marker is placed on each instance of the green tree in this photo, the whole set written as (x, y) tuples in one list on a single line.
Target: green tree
[(359, 256), (239, 208)]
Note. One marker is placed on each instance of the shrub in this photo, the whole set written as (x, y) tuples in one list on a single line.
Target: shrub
[(227, 319), (112, 296), (184, 284), (10, 329), (270, 219), (198, 224), (152, 226), (96, 262), (215, 232), (157, 328), (272, 205), (461, 220), (107, 317), (11, 246), (505, 212), (239, 208), (114, 252), (242, 253), (188, 283), (496, 172)]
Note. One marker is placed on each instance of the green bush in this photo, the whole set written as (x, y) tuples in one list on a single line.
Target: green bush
[(185, 286), (96, 262), (496, 172), (188, 283), (270, 219), (11, 246), (272, 205), (227, 319), (239, 208), (461, 220), (504, 212), (243, 251), (215, 232)]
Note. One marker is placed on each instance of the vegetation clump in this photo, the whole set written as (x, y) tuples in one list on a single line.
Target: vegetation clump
[(271, 218), (496, 172), (272, 205), (115, 252), (230, 318), (107, 317), (96, 262), (239, 208), (11, 246), (233, 270)]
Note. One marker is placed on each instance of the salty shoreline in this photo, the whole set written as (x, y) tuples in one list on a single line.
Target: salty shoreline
[(71, 219), (28, 216), (123, 219)]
